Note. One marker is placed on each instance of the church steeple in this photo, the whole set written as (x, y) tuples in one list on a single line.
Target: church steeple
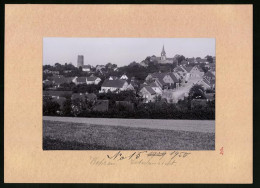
[(163, 54)]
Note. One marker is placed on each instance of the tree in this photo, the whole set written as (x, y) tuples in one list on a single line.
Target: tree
[(57, 65), (50, 107), (114, 66), (197, 92), (67, 109), (209, 58), (109, 65), (78, 106), (180, 58), (80, 69)]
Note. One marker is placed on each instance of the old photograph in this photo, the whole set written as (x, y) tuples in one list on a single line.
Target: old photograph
[(128, 93)]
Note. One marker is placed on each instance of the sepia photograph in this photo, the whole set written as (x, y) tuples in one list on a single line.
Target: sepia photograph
[(128, 93)]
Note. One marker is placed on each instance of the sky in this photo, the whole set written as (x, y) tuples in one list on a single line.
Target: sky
[(121, 51)]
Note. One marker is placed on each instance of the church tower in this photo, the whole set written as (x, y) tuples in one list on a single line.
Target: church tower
[(80, 61), (163, 54)]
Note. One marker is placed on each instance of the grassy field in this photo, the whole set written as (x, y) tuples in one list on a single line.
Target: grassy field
[(79, 136)]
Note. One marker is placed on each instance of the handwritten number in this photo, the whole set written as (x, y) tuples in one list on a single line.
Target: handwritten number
[(221, 151)]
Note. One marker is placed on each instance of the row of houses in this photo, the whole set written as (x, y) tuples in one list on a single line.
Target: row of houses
[(154, 84), (161, 84), (57, 80), (116, 85)]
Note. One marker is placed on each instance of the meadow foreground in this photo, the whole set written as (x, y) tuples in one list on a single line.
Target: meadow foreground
[(78, 135)]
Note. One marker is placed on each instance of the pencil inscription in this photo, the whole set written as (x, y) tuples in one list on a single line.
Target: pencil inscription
[(163, 158)]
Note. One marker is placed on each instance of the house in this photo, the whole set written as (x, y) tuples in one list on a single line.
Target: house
[(124, 77), (179, 69), (199, 60), (143, 85), (86, 68), (134, 84), (114, 86), (47, 71), (207, 84), (184, 63), (100, 67), (211, 67), (113, 78), (148, 94), (131, 86), (58, 80), (156, 88), (209, 75), (164, 80), (67, 71), (93, 80), (81, 80), (193, 72), (191, 60), (144, 63)]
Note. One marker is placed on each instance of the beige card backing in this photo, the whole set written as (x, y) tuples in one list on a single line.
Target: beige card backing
[(25, 27)]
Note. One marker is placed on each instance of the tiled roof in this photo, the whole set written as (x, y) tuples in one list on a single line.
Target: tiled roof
[(60, 80), (161, 82), (200, 69), (202, 60), (142, 85), (91, 78), (86, 66), (184, 62), (134, 84), (113, 83), (69, 79), (173, 77), (209, 74), (188, 69), (81, 79), (191, 60), (150, 90), (153, 84), (114, 77), (179, 69), (210, 83), (155, 58)]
